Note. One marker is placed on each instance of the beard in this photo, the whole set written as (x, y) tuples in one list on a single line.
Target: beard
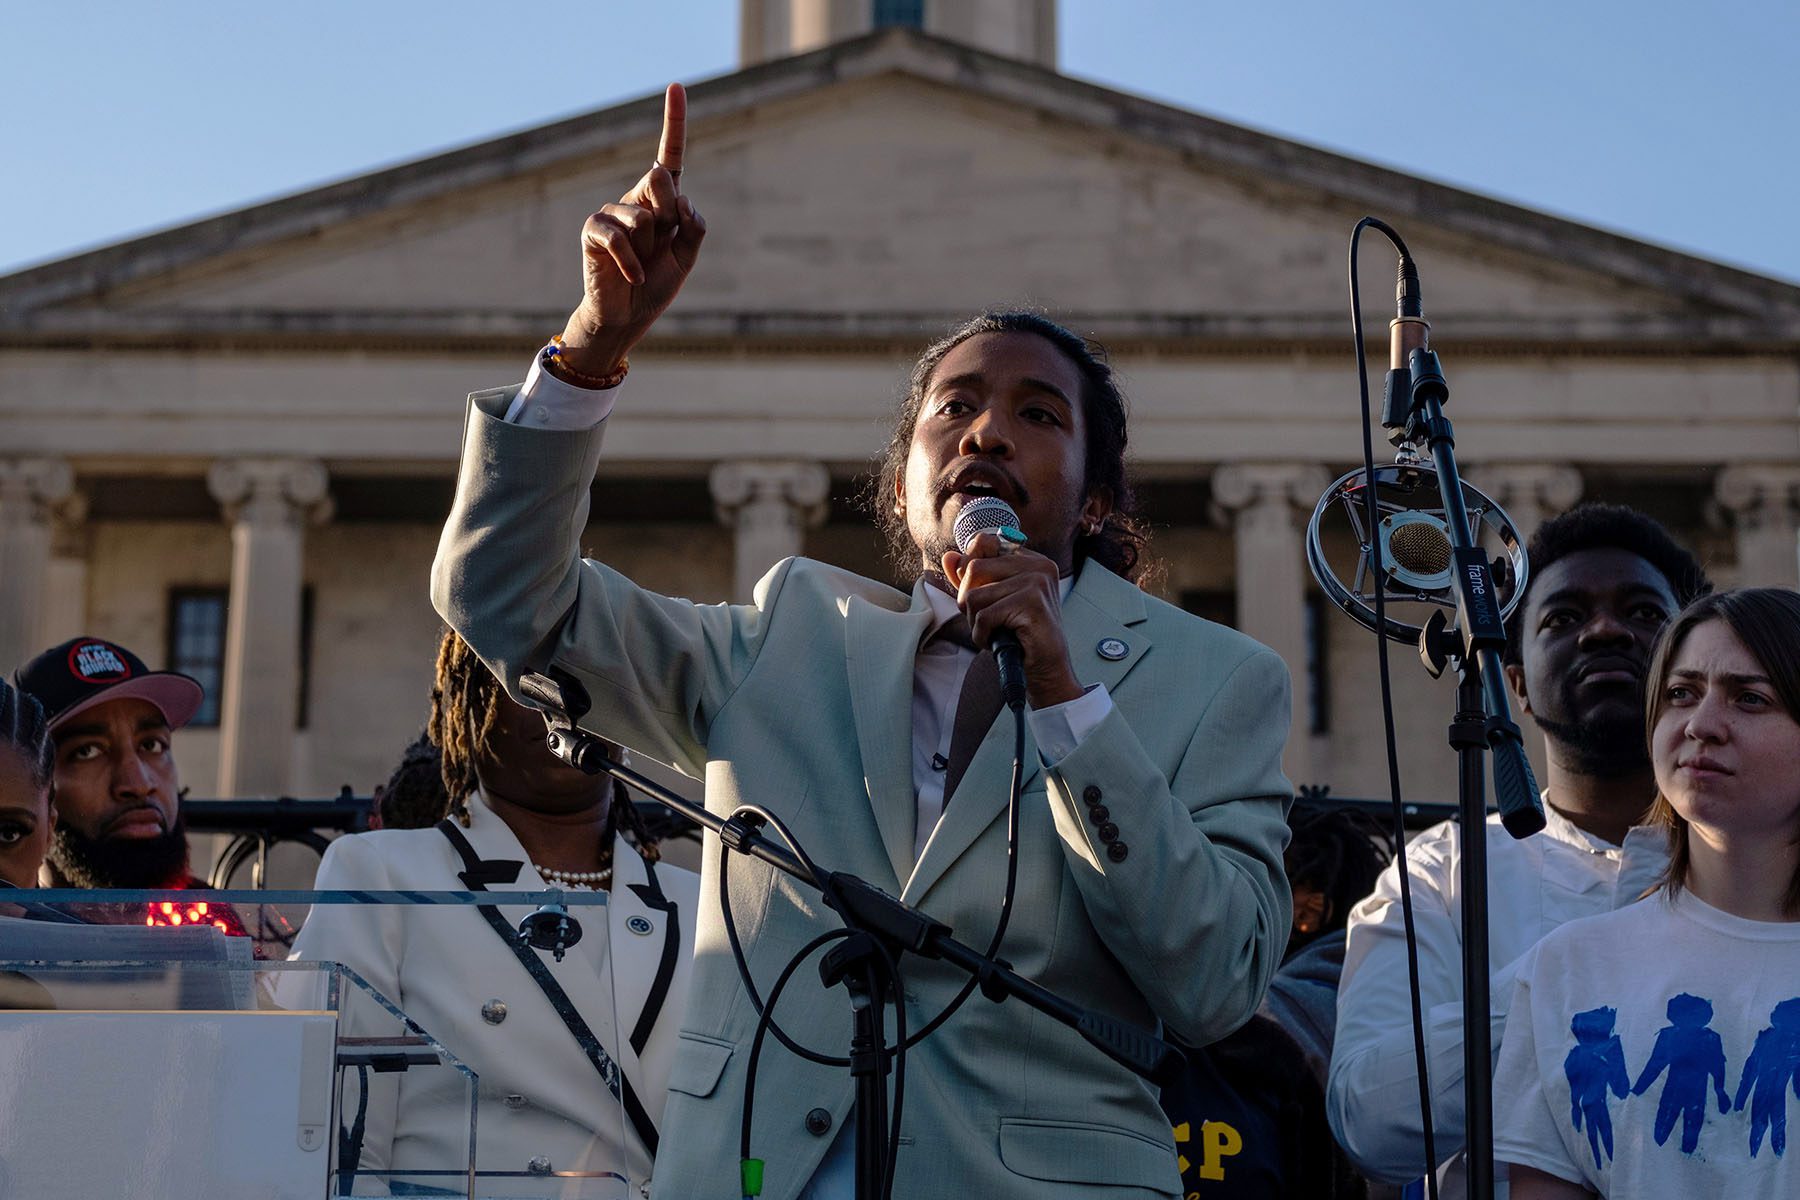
[(1608, 747), (161, 861)]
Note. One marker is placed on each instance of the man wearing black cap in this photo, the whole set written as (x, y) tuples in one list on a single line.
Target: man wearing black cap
[(117, 789)]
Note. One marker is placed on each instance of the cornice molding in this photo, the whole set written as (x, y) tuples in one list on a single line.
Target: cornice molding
[(1202, 142)]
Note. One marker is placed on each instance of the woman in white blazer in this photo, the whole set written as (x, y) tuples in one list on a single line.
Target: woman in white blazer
[(572, 1056)]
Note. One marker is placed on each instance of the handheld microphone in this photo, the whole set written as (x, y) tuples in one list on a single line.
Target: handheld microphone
[(979, 516)]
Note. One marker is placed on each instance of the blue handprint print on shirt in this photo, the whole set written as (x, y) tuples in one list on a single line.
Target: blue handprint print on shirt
[(1693, 1055), (1772, 1068), (1596, 1064)]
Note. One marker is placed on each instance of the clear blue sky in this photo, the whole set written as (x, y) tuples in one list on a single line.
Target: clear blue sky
[(1674, 122)]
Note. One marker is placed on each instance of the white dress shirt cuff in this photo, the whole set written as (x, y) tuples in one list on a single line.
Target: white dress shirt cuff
[(1059, 729), (546, 402)]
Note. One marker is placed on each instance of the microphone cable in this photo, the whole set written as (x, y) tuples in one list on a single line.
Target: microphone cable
[(888, 1056), (1372, 516)]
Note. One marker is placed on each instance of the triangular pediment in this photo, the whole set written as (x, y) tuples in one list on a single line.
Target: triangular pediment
[(882, 187)]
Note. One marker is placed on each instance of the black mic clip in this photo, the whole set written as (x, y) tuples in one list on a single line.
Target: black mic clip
[(563, 701), (1412, 404), (1427, 380), (1397, 405)]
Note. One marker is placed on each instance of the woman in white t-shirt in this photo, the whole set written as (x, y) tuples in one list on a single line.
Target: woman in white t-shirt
[(1655, 1051)]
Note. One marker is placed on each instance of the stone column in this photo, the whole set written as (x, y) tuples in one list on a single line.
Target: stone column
[(1267, 505), (65, 579), (31, 491), (769, 506), (1763, 503), (268, 503), (1531, 493)]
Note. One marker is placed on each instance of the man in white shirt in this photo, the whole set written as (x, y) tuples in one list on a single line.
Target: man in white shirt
[(1604, 581), (1152, 812)]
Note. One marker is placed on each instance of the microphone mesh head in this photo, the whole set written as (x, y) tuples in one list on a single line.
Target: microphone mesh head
[(1421, 548), (980, 515)]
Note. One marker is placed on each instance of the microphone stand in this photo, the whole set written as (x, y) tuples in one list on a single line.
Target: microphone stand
[(883, 927), (1482, 721)]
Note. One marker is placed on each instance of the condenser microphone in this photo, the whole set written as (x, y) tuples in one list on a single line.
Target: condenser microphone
[(1408, 333), (990, 514)]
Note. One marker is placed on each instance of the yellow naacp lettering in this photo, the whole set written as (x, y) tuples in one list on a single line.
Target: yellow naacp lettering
[(1219, 1141), (1181, 1137)]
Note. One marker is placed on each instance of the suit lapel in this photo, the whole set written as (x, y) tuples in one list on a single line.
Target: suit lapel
[(494, 841), (1103, 610), (879, 648), (646, 937), (980, 797), (1100, 612)]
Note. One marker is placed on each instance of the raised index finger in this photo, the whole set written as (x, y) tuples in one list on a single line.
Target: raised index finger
[(674, 130)]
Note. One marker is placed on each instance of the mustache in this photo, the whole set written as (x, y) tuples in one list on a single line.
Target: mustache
[(960, 474)]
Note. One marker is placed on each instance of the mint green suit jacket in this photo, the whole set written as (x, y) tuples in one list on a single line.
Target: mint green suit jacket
[(801, 702)]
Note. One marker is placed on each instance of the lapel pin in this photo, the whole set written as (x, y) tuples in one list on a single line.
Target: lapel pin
[(1112, 649), (639, 925)]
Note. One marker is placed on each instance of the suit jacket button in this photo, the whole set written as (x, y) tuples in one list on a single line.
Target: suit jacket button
[(1117, 852), (494, 1012), (539, 1165), (1091, 794), (1108, 833), (818, 1122), (1098, 814)]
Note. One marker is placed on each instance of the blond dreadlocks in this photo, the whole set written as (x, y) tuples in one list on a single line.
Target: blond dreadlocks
[(465, 704)]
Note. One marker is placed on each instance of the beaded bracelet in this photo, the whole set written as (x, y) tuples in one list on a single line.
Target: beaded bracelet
[(553, 359)]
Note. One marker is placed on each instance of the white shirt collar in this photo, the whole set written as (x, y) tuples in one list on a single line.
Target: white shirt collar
[(943, 604), (1560, 828)]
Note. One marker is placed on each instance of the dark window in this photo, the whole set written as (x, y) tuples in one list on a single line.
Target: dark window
[(304, 702), (910, 13), (1217, 606), (1319, 612), (197, 643), (197, 618)]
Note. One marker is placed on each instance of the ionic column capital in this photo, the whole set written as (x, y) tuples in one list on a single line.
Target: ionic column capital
[(35, 490), (1547, 487), (69, 527), (768, 506), (1759, 496), (742, 486), (271, 491), (1278, 489)]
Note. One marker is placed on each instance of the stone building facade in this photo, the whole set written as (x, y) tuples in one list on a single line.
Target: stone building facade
[(231, 445)]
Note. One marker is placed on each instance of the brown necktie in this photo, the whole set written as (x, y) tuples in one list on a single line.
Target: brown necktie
[(976, 706)]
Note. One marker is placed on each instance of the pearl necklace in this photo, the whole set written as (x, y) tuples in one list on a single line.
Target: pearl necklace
[(599, 880)]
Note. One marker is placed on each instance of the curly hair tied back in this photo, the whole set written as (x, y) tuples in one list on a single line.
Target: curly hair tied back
[(465, 706), (414, 797), (1121, 542)]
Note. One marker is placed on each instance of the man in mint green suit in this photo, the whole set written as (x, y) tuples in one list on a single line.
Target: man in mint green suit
[(1152, 820)]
